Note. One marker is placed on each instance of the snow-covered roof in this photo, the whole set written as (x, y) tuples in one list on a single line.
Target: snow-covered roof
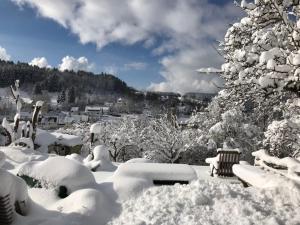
[(96, 108)]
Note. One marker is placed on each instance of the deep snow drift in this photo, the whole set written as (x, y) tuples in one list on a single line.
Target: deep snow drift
[(208, 203)]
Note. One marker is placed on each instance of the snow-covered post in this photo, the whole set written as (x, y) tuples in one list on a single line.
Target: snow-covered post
[(16, 95), (37, 108), (29, 129)]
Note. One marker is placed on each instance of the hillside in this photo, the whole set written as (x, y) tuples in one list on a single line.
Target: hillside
[(53, 80)]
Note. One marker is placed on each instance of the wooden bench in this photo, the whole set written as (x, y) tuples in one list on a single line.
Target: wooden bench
[(221, 165)]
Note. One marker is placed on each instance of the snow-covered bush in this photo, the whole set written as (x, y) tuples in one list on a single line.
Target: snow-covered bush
[(162, 141), (234, 132), (282, 138)]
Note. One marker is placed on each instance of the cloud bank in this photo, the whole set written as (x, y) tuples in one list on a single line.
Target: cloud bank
[(40, 62), (179, 32), (71, 63), (4, 55)]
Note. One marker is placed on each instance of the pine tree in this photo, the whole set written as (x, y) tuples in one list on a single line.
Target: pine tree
[(61, 97), (71, 95), (37, 89)]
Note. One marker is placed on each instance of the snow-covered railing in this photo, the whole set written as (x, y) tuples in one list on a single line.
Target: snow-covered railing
[(291, 166)]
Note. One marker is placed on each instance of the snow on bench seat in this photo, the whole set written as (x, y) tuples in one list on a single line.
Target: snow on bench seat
[(157, 171), (257, 177)]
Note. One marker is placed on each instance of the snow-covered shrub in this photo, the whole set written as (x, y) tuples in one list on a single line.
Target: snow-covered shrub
[(234, 132), (282, 138)]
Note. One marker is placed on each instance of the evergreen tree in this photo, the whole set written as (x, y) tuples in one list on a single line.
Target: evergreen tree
[(61, 97), (37, 89), (71, 95)]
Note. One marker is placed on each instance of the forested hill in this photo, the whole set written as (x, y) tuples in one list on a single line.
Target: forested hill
[(53, 80)]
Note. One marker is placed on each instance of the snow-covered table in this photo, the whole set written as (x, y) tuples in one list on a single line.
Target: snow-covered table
[(157, 171)]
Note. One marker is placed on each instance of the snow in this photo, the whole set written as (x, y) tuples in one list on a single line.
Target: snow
[(80, 207), (268, 55), (157, 171), (257, 177), (15, 156), (139, 160), (292, 165), (204, 202), (58, 171), (44, 139), (95, 128)]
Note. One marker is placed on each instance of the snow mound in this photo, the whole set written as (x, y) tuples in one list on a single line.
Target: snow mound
[(139, 160), (86, 206), (59, 171), (205, 202), (16, 156), (100, 161), (130, 179)]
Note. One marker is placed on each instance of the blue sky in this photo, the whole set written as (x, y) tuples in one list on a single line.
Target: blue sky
[(149, 54)]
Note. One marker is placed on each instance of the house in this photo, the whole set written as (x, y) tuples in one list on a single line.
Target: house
[(74, 110), (94, 112), (52, 119)]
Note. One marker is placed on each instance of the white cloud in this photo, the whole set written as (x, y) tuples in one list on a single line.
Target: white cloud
[(71, 63), (135, 66), (40, 62), (113, 70), (3, 54), (176, 30)]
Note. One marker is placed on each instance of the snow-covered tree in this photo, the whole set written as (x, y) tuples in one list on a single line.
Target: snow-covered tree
[(234, 132), (162, 140), (282, 139), (261, 58), (120, 136)]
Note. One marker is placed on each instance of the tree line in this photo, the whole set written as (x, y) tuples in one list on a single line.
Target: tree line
[(53, 80)]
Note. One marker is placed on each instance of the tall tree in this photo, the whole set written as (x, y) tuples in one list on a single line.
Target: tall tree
[(71, 95)]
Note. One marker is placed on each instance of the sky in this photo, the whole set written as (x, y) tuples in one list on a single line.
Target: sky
[(150, 44)]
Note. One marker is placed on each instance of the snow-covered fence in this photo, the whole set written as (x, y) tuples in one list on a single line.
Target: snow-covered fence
[(288, 167)]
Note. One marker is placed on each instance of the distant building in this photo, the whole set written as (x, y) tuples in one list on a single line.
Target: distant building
[(74, 110), (199, 96), (94, 112)]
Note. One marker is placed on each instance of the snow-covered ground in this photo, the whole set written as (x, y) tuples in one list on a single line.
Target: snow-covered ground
[(205, 202), (127, 196)]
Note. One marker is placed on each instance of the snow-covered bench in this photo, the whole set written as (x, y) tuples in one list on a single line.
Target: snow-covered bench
[(268, 171), (255, 176), (221, 165)]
